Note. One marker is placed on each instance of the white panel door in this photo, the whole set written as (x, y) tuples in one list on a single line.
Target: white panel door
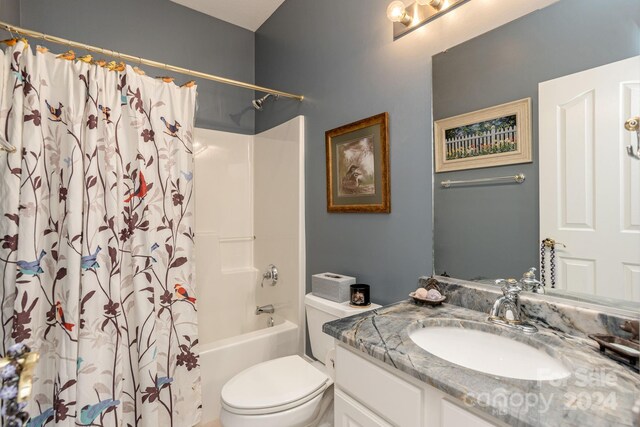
[(589, 185)]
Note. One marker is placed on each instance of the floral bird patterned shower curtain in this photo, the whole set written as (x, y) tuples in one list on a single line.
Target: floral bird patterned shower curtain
[(97, 239)]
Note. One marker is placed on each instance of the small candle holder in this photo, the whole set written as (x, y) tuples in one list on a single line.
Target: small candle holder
[(360, 295)]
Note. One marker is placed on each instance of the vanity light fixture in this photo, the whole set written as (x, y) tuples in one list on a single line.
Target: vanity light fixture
[(396, 12), (407, 18), (436, 4)]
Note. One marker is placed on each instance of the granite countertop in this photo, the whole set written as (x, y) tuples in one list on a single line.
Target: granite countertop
[(599, 392)]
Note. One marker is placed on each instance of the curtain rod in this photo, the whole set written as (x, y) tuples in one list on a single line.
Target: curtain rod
[(123, 56)]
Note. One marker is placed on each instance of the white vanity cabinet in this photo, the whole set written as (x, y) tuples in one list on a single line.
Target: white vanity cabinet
[(369, 393), (349, 413), (453, 415)]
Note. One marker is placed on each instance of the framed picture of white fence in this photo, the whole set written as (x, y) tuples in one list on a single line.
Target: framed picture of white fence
[(494, 136)]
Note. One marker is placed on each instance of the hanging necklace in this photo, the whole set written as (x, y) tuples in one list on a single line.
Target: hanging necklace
[(551, 244), (543, 252)]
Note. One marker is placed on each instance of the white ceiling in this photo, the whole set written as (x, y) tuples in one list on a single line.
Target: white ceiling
[(249, 14)]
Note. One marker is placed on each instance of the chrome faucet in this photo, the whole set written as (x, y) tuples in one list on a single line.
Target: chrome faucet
[(265, 309), (506, 309), (271, 274), (530, 283)]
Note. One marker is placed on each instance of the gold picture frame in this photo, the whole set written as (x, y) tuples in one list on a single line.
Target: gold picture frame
[(494, 136), (358, 166)]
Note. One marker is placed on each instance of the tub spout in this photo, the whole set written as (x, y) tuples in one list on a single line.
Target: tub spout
[(265, 309)]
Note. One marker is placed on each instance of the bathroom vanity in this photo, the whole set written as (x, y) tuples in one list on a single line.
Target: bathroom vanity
[(402, 402), (385, 378)]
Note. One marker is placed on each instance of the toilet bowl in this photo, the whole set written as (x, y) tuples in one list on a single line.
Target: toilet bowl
[(289, 391)]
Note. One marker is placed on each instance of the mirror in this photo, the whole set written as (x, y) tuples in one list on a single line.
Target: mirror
[(489, 230)]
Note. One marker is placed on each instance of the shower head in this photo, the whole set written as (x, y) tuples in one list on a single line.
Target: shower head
[(258, 104)]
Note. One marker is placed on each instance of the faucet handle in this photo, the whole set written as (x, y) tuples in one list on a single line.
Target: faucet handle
[(530, 275), (270, 274), (530, 283), (510, 288)]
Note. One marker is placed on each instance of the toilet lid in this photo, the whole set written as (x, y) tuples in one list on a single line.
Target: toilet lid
[(273, 386)]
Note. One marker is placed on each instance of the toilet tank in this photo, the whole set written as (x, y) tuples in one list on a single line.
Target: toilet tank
[(320, 311)]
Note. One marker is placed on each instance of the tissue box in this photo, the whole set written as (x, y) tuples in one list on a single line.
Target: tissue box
[(331, 286)]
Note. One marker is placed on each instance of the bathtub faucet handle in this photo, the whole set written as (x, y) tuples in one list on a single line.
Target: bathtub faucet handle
[(270, 274)]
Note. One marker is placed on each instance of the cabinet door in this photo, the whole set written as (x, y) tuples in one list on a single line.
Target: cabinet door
[(455, 416), (375, 387), (349, 413)]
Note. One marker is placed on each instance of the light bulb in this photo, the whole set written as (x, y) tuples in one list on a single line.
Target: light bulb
[(437, 4), (396, 12)]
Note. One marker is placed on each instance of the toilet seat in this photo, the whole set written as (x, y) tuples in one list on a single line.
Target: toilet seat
[(273, 386)]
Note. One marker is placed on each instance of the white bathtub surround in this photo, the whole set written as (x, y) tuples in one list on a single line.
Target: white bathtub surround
[(279, 218), (224, 210), (248, 186)]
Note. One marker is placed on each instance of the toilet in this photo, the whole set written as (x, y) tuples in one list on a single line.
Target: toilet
[(289, 391)]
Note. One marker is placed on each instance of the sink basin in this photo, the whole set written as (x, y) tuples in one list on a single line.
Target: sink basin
[(489, 353)]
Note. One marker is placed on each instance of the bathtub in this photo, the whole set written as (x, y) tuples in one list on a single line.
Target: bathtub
[(221, 360)]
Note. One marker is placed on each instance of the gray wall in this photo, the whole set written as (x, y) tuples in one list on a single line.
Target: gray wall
[(10, 11), (341, 56), (492, 231), (165, 32)]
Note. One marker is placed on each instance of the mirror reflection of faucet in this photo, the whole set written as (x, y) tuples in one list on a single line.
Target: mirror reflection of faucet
[(530, 283)]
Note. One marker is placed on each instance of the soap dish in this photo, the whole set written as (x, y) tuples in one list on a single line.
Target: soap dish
[(626, 349), (431, 284), (432, 302)]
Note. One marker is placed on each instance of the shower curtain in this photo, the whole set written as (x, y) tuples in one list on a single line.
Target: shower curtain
[(96, 241)]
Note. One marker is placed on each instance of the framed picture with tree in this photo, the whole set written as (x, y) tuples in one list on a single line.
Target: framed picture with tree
[(358, 166)]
